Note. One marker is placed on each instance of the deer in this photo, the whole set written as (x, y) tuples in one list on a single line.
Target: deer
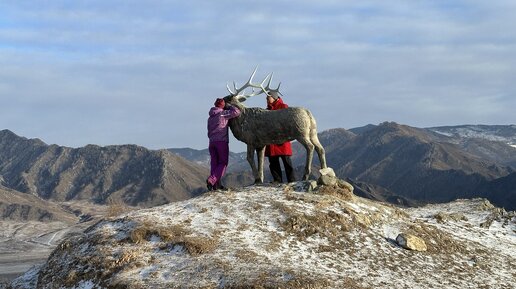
[(258, 127)]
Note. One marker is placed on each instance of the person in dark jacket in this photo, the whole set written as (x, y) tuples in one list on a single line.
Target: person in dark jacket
[(219, 141), (283, 151)]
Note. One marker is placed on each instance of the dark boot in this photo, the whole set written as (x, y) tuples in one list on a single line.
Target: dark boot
[(209, 186)]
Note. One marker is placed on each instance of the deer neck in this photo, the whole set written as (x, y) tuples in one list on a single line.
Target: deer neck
[(235, 124)]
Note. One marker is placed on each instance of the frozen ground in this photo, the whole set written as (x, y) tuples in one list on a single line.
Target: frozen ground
[(276, 237)]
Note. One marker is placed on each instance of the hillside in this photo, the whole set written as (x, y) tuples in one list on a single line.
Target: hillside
[(412, 163), (283, 237), (16, 206), (500, 133), (405, 165), (202, 157), (496, 143), (130, 173)]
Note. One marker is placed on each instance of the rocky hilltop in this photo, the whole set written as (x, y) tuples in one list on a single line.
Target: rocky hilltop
[(130, 173), (285, 237)]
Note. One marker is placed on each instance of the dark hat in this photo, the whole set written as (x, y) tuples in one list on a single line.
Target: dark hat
[(273, 94), (220, 103)]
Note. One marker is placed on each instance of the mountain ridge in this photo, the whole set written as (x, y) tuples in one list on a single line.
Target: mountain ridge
[(130, 173), (417, 165)]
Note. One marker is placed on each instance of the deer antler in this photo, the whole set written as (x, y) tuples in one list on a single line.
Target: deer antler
[(249, 83), (268, 87)]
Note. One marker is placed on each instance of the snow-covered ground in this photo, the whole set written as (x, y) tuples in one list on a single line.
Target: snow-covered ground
[(493, 133), (270, 237)]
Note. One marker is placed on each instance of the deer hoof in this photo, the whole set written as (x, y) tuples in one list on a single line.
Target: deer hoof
[(258, 181)]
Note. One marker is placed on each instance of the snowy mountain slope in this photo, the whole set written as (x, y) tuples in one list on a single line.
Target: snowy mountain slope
[(502, 133), (271, 237)]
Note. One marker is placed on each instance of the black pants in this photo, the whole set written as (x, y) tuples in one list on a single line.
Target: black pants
[(274, 166)]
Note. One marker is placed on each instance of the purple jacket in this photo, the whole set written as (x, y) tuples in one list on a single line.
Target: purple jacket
[(218, 123)]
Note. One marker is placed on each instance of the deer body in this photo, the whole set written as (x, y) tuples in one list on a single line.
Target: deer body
[(259, 127)]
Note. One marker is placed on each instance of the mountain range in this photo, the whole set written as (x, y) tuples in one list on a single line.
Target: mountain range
[(130, 173), (408, 165), (388, 162)]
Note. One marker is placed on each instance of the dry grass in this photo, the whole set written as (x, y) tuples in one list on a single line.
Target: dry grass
[(337, 190), (144, 231), (246, 255), (440, 242), (174, 235), (330, 224), (270, 280), (106, 262), (116, 207)]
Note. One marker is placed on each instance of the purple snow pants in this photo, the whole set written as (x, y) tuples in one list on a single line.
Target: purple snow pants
[(219, 153)]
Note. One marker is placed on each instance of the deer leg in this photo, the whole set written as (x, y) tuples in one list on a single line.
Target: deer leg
[(260, 153), (250, 159), (309, 155), (319, 149)]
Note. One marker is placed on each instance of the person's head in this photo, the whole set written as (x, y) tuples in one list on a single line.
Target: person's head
[(220, 103), (272, 96)]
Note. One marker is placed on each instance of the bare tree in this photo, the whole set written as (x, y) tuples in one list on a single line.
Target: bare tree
[(259, 127)]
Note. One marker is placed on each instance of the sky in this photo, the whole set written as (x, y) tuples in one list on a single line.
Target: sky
[(147, 72)]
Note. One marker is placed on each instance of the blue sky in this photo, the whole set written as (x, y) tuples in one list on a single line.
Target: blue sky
[(147, 72)]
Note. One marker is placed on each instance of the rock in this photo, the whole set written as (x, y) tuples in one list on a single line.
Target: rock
[(345, 185), (302, 186), (311, 185), (327, 180), (411, 242), (442, 217), (327, 172)]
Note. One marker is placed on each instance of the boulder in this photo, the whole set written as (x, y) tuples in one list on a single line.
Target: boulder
[(327, 178), (411, 242), (327, 172), (345, 185)]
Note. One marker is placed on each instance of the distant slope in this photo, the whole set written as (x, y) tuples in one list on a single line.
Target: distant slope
[(409, 162), (16, 206), (496, 143), (501, 191), (131, 173), (404, 164), (202, 157), (503, 133)]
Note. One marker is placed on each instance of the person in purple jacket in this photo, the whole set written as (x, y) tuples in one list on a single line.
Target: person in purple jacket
[(219, 141)]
